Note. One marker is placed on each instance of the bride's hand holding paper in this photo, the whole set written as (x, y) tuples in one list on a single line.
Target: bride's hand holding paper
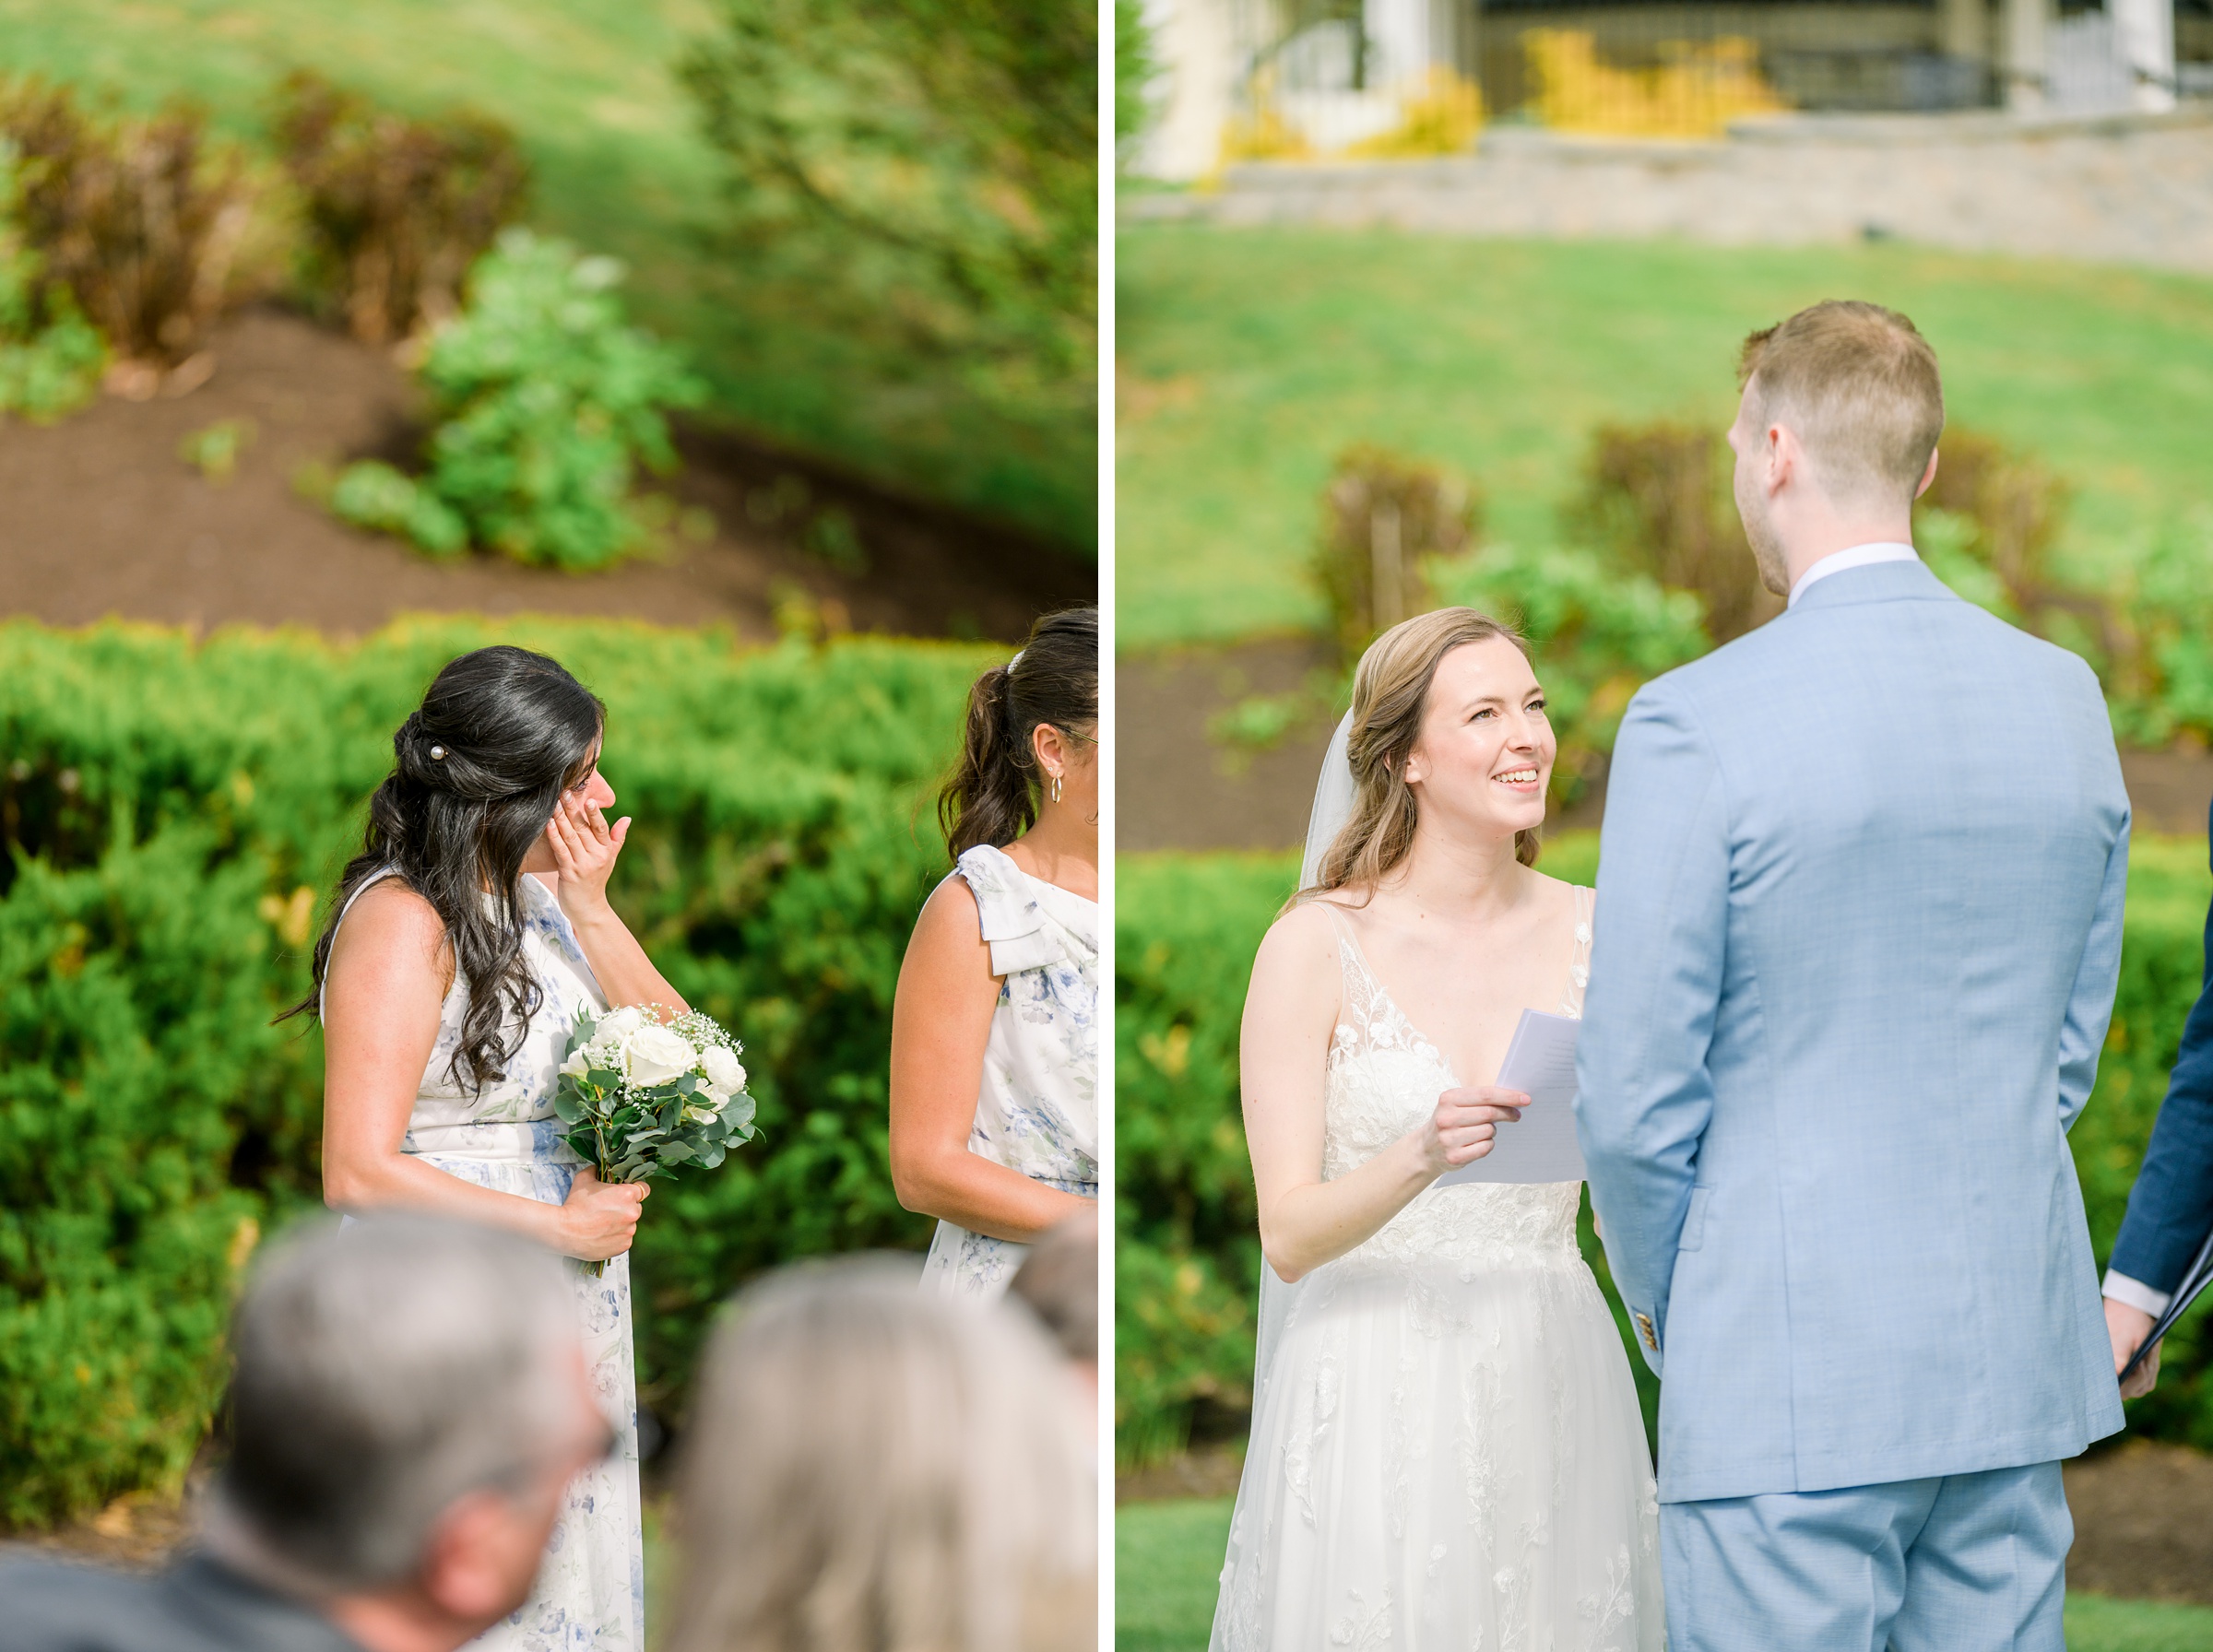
[(1464, 1125)]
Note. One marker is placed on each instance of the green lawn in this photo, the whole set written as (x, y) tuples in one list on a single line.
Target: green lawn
[(588, 87), (1167, 1555), (1251, 358)]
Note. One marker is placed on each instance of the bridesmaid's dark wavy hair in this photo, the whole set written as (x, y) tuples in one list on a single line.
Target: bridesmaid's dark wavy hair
[(1053, 679), (477, 773)]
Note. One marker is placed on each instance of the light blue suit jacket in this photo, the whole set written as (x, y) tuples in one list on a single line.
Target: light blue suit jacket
[(1857, 932)]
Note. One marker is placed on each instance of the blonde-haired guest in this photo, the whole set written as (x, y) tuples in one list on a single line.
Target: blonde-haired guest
[(878, 1469)]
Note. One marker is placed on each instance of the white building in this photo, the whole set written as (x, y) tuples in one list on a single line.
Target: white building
[(1335, 71), (1331, 73)]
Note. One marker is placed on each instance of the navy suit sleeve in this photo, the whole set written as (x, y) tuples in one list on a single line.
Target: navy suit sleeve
[(2171, 1208)]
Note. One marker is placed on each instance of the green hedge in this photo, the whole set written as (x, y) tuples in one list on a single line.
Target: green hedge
[(173, 814), (1187, 927)]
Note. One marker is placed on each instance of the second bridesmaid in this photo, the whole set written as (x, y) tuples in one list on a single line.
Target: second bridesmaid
[(994, 1097)]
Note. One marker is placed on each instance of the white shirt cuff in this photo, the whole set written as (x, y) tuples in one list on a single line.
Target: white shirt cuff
[(2142, 1298)]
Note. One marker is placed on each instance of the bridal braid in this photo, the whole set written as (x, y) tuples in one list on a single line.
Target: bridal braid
[(477, 771), (1390, 697), (1052, 679)]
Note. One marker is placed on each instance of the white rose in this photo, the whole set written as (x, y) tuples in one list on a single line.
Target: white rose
[(620, 1023), (698, 1114), (722, 1070), (579, 1062), (656, 1055)]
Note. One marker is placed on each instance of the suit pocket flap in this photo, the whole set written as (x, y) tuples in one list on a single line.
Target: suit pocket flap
[(1693, 1220)]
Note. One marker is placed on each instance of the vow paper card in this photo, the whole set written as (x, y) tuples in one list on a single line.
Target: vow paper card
[(1541, 1147)]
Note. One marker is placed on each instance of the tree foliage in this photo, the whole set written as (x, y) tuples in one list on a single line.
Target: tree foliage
[(921, 170)]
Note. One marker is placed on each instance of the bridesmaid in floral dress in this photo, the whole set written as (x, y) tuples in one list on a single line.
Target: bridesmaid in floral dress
[(470, 934), (995, 1032)]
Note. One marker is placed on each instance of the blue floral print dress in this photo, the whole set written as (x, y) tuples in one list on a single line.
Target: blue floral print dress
[(590, 1595), (1037, 1111)]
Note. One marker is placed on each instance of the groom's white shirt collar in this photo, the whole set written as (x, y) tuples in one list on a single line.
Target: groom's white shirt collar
[(1857, 556)]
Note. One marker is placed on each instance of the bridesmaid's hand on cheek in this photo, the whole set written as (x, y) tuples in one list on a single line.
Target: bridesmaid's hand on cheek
[(584, 847)]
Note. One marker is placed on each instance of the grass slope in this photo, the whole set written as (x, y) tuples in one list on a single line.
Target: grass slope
[(1167, 1556), (1251, 358), (588, 86)]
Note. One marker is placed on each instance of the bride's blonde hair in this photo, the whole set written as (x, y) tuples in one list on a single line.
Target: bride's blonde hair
[(1390, 697)]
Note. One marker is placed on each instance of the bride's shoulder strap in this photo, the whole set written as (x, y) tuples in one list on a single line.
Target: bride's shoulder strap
[(1578, 960), (1355, 984)]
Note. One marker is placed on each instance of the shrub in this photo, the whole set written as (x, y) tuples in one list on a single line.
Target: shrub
[(1657, 498), (1385, 520), (394, 210), (546, 402), (139, 218), (373, 495), (1598, 634), (923, 173), (174, 812), (49, 356), (1187, 928), (1441, 117), (214, 450), (1993, 514)]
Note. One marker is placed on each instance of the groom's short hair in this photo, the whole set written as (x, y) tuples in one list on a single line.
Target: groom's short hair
[(1858, 383)]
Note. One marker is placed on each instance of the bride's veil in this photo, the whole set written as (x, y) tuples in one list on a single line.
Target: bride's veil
[(1332, 807), (1333, 802)]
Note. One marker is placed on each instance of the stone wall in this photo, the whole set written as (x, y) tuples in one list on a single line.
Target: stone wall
[(2127, 189)]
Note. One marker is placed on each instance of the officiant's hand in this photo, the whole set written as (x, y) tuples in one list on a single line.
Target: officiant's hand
[(599, 1219), (2128, 1327), (1466, 1124), (584, 847)]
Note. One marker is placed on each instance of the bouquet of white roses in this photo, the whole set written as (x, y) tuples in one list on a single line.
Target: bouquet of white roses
[(640, 1096)]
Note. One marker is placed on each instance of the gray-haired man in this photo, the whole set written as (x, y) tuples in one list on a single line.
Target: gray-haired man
[(409, 1404)]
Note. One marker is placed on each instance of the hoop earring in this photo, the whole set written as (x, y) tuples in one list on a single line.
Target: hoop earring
[(1053, 791)]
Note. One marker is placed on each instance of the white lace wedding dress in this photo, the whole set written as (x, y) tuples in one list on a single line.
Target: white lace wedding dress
[(1446, 1451)]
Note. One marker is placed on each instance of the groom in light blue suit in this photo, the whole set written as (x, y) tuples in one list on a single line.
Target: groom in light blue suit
[(1857, 932)]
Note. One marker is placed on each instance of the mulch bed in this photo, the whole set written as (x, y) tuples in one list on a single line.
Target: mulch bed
[(1178, 789), (102, 516)]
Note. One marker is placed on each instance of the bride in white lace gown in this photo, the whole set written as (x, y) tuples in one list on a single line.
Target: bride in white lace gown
[(1446, 1447)]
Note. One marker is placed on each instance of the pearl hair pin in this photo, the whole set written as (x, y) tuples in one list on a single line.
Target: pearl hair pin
[(438, 753)]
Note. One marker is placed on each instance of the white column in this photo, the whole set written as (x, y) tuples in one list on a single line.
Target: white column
[(2023, 59), (1195, 48), (2144, 31)]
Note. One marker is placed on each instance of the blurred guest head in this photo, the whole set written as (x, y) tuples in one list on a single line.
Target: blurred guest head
[(1059, 1281), (1031, 744), (409, 1404), (874, 1469)]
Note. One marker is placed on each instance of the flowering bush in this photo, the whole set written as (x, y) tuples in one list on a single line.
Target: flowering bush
[(51, 357)]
